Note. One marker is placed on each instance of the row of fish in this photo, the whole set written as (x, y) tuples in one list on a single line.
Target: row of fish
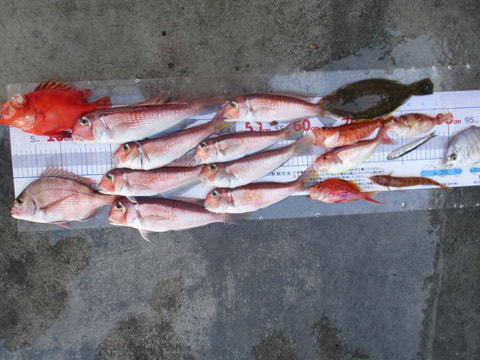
[(148, 166)]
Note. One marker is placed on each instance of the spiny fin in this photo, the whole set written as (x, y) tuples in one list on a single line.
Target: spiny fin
[(63, 224), (53, 171), (54, 84), (144, 234), (160, 98), (366, 196)]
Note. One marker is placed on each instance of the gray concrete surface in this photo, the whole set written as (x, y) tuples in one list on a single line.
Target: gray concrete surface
[(398, 285)]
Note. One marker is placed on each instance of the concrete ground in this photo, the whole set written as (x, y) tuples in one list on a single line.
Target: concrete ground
[(396, 285)]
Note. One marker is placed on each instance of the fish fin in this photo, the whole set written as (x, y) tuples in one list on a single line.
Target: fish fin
[(188, 159), (160, 98), (303, 143), (53, 171), (54, 84), (145, 234), (367, 196), (178, 190), (422, 87), (190, 200), (386, 139), (203, 104), (291, 129), (180, 100), (63, 224), (307, 179), (104, 102)]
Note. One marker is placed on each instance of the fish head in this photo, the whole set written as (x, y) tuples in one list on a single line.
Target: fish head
[(236, 108), (205, 152), (214, 174), (122, 212), (18, 112), (24, 207), (128, 155), (88, 128), (218, 200), (112, 182), (325, 136), (319, 192), (327, 162), (454, 157)]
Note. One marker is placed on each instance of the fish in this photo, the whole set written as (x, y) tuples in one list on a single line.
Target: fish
[(256, 108), (148, 214), (415, 124), (346, 157), (156, 152), (122, 124), (396, 181), (245, 170), (58, 197), (395, 154), (128, 182), (252, 197), (371, 98), (51, 109), (237, 145), (464, 149), (335, 190), (332, 137)]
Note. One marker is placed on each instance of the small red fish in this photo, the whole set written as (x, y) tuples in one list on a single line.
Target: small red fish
[(51, 109), (397, 181), (337, 190), (331, 137)]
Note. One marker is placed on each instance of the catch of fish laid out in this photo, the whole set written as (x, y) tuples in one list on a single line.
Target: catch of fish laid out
[(157, 156)]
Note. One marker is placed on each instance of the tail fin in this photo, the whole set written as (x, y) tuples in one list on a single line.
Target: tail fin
[(291, 129), (384, 136), (422, 87), (103, 103), (307, 179), (202, 104), (366, 196), (301, 144)]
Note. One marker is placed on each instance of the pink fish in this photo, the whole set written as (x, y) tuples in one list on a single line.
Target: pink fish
[(159, 215), (135, 122), (414, 124), (251, 197), (57, 197)]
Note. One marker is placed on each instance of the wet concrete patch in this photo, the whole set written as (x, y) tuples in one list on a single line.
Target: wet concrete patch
[(142, 337), (330, 344), (275, 347), (33, 280)]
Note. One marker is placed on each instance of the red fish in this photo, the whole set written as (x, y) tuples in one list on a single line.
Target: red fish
[(51, 109), (337, 190), (398, 181), (414, 124), (347, 134)]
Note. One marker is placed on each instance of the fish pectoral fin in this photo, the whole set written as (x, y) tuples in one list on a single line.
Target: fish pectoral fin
[(45, 209), (63, 224), (145, 234)]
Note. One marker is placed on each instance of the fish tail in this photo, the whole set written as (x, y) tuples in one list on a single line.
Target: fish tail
[(307, 179), (302, 143), (367, 196), (291, 130), (422, 87), (104, 102), (202, 104), (384, 136)]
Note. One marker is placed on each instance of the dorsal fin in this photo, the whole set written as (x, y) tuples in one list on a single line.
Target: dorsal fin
[(55, 85), (53, 171)]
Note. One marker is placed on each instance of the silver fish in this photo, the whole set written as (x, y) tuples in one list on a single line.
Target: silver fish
[(395, 154), (464, 150)]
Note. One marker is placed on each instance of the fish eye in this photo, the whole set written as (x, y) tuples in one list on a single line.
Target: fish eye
[(84, 121), (324, 157), (119, 206), (202, 145), (109, 176), (232, 104), (19, 100), (454, 157), (19, 201), (214, 193), (212, 167), (324, 128), (319, 187), (125, 147)]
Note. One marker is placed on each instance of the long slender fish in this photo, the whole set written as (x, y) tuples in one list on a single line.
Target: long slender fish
[(464, 150), (237, 145), (156, 152), (159, 215), (250, 168), (397, 181), (135, 122), (370, 98), (255, 108), (251, 197), (128, 182), (395, 154)]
